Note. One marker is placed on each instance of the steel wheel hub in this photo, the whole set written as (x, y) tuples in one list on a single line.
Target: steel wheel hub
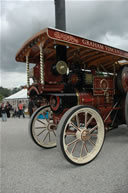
[(83, 135), (51, 127)]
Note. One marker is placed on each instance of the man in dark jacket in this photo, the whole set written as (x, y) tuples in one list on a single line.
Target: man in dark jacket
[(30, 107)]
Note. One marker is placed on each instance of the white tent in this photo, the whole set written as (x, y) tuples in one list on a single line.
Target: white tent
[(19, 96), (22, 94)]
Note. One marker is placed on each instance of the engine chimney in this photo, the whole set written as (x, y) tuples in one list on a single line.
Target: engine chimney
[(60, 23)]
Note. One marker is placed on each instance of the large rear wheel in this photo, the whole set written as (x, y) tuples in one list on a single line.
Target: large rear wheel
[(82, 134), (42, 129)]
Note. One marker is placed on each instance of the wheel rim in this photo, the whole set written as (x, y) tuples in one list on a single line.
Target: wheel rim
[(83, 136), (43, 128)]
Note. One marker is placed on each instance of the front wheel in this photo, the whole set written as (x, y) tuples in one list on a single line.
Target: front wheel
[(42, 129), (82, 134)]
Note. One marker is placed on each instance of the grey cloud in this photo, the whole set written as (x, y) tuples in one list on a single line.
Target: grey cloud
[(22, 22), (95, 19), (92, 20)]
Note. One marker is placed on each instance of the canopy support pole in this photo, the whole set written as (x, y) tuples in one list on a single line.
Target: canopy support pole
[(27, 71), (41, 65)]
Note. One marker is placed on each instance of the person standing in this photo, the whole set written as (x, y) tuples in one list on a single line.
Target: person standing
[(8, 108), (3, 112), (30, 107), (21, 110)]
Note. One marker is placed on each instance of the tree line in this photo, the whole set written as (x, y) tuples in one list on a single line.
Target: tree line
[(5, 92)]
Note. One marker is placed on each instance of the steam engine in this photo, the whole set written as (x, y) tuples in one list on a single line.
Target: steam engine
[(69, 85)]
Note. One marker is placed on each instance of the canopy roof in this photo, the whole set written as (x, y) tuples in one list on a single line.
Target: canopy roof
[(22, 94), (89, 52)]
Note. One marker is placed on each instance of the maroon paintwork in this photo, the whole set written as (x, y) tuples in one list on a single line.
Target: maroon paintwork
[(83, 57), (62, 36)]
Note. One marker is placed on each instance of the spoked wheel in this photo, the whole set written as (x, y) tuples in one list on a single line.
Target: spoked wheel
[(126, 109), (82, 134), (42, 129)]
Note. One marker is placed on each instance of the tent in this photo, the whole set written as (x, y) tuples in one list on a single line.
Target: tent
[(22, 94), (19, 96)]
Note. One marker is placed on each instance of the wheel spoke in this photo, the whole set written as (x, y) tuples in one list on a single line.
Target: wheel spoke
[(54, 133), (41, 132), (73, 142), (85, 147), (91, 142), (40, 127), (49, 137), (45, 136), (74, 146), (86, 119), (41, 121), (69, 132), (82, 148), (93, 135), (74, 125), (89, 121), (77, 120), (93, 129)]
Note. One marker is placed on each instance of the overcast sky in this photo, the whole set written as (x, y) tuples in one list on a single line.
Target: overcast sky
[(103, 21)]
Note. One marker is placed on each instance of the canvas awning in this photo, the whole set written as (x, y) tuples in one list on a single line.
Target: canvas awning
[(22, 94), (89, 52)]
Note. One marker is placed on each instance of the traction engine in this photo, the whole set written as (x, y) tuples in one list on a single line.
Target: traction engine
[(80, 90)]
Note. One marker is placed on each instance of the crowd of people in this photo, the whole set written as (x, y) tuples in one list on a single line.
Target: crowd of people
[(7, 110)]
